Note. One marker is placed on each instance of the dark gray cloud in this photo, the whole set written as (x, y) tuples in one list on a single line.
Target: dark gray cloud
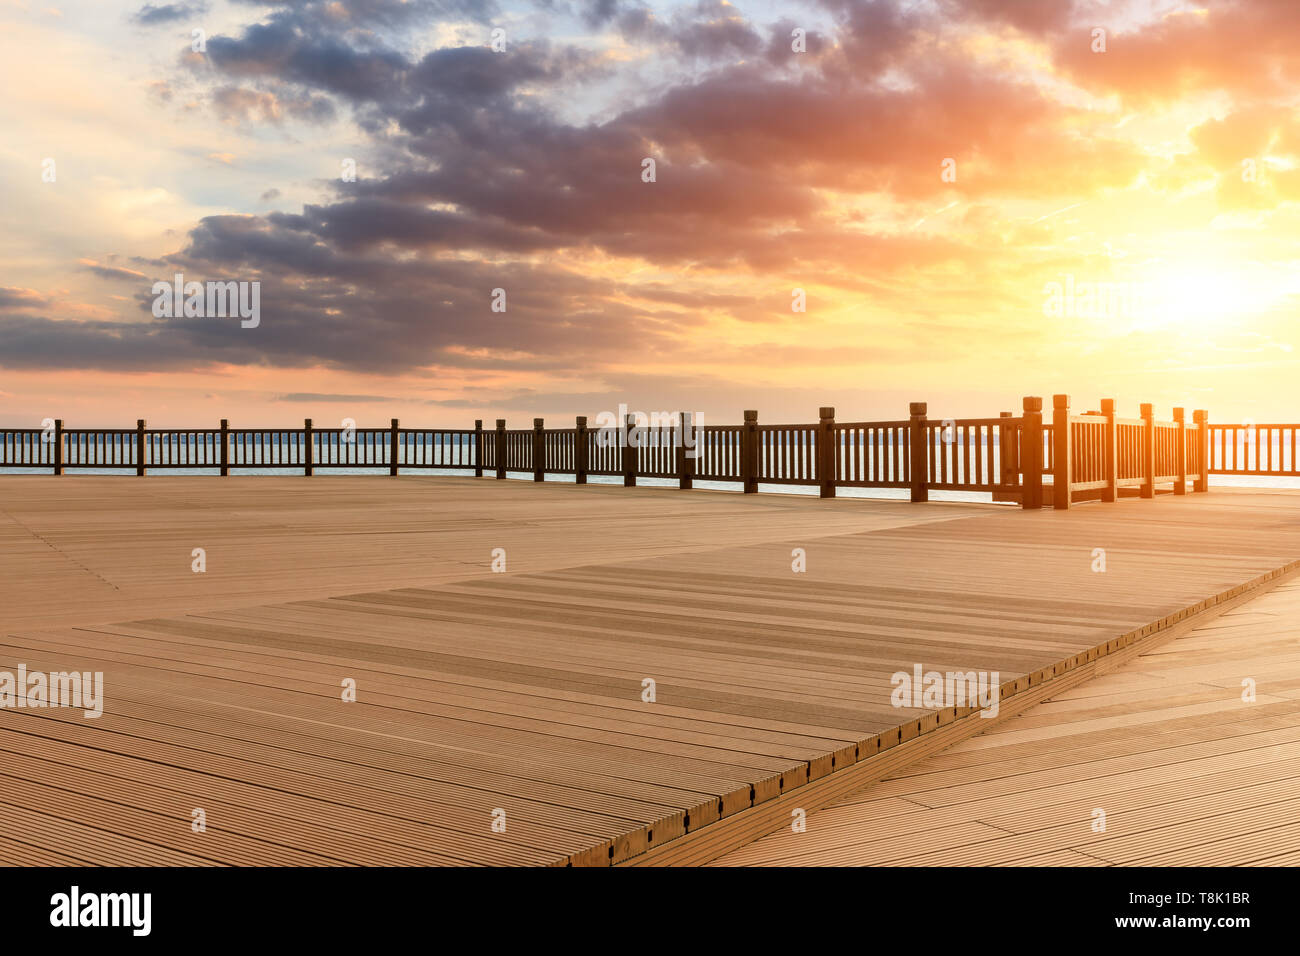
[(153, 15), (597, 13), (368, 14), (327, 397)]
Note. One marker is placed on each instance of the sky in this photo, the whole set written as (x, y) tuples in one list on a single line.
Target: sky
[(856, 203)]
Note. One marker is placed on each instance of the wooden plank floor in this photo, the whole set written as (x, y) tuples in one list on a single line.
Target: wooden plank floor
[(481, 693), (117, 547), (1160, 763)]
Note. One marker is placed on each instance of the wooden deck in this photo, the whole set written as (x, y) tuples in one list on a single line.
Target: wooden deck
[(1185, 771), (522, 692)]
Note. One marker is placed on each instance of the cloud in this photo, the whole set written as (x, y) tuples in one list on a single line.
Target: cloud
[(13, 299), (239, 106), (110, 272), (1250, 47), (325, 397), (153, 15)]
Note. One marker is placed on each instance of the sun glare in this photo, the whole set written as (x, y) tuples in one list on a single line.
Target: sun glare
[(1206, 296)]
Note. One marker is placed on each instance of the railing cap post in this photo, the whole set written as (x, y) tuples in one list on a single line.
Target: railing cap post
[(1032, 403), (581, 421), (827, 413), (501, 423), (225, 423), (1006, 414), (139, 423), (1179, 414), (1146, 410), (751, 415), (478, 423), (537, 424), (1199, 415), (306, 422), (1108, 406), (1060, 401), (918, 409), (395, 423)]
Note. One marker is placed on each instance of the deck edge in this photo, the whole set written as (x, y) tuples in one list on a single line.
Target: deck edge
[(885, 753)]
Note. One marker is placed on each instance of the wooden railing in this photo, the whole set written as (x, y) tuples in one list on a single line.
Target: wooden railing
[(1099, 456), (145, 449), (1073, 457), (1249, 449)]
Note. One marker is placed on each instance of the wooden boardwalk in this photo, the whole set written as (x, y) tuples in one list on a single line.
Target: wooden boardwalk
[(483, 696), (1185, 771)]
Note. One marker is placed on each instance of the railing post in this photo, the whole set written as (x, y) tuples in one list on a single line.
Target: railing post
[(225, 447), (306, 451), (1007, 474), (1110, 452), (918, 451), (749, 452), (630, 439), (685, 462), (139, 446), (58, 446), (478, 448), (1202, 419), (394, 444), (1148, 451), (1061, 452), (826, 457), (580, 439), (539, 450), (501, 448), (1031, 454), (1180, 451)]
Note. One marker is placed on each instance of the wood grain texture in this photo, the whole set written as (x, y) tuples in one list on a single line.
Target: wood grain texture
[(1186, 772), (522, 691)]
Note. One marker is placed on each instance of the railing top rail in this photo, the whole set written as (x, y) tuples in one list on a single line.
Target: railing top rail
[(1090, 419), (1225, 425), (903, 423)]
